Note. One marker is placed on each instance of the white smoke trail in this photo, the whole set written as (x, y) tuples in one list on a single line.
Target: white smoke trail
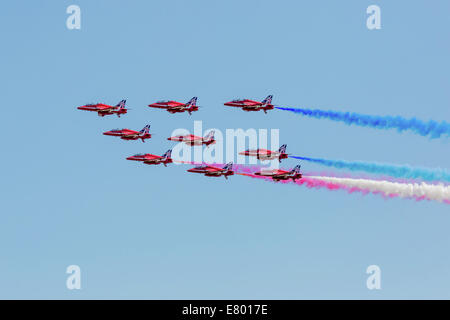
[(438, 192)]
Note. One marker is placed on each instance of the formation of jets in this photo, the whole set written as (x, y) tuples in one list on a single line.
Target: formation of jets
[(192, 140), (178, 107)]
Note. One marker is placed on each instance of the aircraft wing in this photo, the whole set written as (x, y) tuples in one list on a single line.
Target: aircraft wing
[(261, 152), (104, 107), (159, 106), (251, 103), (191, 137), (187, 138), (129, 133), (166, 104), (214, 169), (272, 173), (205, 169), (143, 157), (245, 105), (280, 172), (152, 158), (95, 107), (180, 107)]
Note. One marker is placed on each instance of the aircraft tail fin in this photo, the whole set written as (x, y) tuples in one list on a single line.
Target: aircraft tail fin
[(209, 136), (296, 169), (267, 100), (146, 129), (282, 148), (192, 102), (228, 166), (121, 104), (167, 155)]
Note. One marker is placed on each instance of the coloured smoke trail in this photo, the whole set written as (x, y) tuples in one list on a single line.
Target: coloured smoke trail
[(431, 128), (387, 189), (417, 191), (396, 171), (250, 169)]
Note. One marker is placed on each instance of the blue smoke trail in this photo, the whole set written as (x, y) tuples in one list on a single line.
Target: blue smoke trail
[(431, 128), (379, 168)]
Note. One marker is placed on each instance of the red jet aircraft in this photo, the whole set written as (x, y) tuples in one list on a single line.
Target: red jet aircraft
[(127, 134), (278, 175), (104, 109), (174, 106), (250, 105), (192, 140), (211, 171), (263, 154), (153, 159)]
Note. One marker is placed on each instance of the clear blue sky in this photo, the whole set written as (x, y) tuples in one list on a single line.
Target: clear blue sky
[(70, 197)]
